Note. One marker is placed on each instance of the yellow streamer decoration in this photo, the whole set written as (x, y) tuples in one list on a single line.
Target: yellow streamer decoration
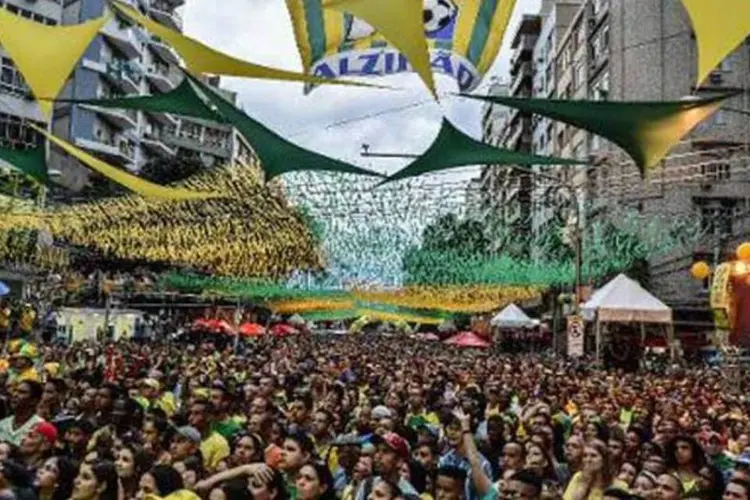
[(311, 305), (249, 231), (132, 182), (46, 55), (720, 27), (466, 299), (400, 22), (200, 58)]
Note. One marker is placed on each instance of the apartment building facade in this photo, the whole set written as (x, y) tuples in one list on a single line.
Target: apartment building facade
[(652, 55), (557, 16), (640, 50), (123, 60)]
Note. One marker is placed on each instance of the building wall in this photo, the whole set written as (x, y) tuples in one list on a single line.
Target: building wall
[(651, 55), (122, 60), (557, 15)]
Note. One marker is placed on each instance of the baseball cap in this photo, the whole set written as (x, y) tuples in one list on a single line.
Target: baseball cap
[(190, 433), (47, 430), (380, 412), (395, 443)]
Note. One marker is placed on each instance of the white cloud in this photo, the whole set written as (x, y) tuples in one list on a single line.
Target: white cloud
[(260, 31)]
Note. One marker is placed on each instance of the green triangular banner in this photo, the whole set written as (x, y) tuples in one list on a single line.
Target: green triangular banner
[(452, 148), (30, 162), (645, 130), (277, 155), (183, 100)]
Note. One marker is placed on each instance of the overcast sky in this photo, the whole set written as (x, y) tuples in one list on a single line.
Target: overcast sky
[(260, 31)]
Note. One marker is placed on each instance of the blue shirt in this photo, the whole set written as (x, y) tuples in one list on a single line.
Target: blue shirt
[(453, 459)]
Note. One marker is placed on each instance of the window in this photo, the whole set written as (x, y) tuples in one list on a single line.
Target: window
[(716, 171), (25, 13), (11, 80), (716, 217), (580, 74), (15, 132), (604, 44)]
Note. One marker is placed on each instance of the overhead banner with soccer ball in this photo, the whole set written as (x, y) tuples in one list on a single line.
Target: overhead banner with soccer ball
[(464, 37)]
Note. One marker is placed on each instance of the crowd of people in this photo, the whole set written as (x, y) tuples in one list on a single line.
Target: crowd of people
[(360, 418)]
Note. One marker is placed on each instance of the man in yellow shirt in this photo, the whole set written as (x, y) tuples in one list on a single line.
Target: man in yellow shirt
[(417, 413), (23, 365), (214, 447)]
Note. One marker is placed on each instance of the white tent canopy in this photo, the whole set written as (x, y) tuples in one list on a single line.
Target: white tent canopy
[(512, 317), (624, 300)]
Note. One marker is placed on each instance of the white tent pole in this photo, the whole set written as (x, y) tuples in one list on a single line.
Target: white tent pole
[(598, 338)]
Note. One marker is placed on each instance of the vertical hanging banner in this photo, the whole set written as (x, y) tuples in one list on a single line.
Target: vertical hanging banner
[(464, 38), (575, 331)]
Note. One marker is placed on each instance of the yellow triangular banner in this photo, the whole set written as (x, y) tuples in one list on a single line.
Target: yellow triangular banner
[(200, 58), (46, 55), (136, 184), (660, 136), (400, 22), (719, 28)]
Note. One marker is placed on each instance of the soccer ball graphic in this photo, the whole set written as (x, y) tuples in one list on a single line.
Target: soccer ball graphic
[(358, 30), (438, 14)]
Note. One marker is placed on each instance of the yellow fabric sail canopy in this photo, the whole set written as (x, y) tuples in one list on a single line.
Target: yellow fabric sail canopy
[(200, 58), (46, 55), (136, 184), (720, 27), (400, 22)]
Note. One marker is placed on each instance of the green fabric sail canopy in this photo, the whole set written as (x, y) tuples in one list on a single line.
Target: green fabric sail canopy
[(452, 148), (194, 99), (30, 162), (277, 155), (183, 100), (645, 130)]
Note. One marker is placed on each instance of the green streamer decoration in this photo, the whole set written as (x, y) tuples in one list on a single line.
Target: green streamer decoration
[(452, 148), (644, 130)]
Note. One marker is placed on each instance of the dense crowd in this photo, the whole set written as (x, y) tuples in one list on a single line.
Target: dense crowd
[(360, 418)]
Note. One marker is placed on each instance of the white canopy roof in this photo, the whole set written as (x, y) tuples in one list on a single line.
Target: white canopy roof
[(625, 300), (512, 317)]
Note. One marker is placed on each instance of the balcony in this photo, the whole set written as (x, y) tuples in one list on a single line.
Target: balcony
[(161, 77), (123, 37), (153, 142), (165, 119), (164, 13), (118, 151), (519, 139), (123, 119), (522, 80), (164, 51)]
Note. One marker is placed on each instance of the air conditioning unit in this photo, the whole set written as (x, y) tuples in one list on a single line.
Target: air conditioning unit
[(716, 78)]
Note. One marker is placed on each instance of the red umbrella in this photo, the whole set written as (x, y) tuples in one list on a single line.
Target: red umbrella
[(222, 326), (282, 330), (252, 330), (203, 324), (468, 339)]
